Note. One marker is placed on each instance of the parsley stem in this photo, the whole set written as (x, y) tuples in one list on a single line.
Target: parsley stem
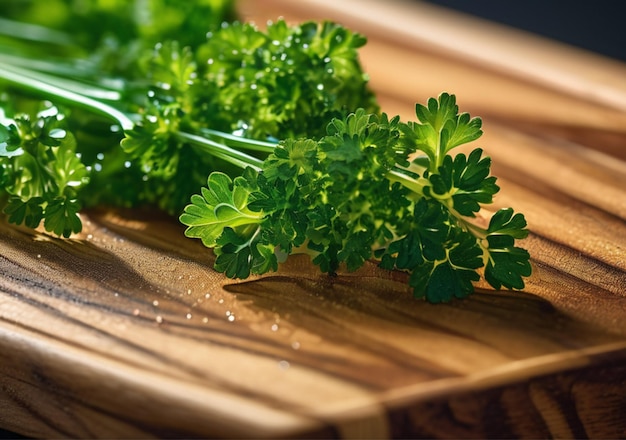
[(250, 144), (61, 68), (233, 156), (415, 185), (476, 230), (64, 90), (33, 32), (43, 85)]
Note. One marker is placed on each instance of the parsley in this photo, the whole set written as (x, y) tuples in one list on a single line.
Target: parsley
[(298, 156), (41, 171), (358, 194)]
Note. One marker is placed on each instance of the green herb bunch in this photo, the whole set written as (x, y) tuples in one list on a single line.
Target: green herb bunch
[(358, 194), (281, 120), (179, 111)]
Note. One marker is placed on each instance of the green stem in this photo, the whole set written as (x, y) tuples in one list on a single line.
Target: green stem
[(249, 144), (477, 231), (415, 185), (44, 85), (33, 32), (233, 156), (74, 93), (51, 66)]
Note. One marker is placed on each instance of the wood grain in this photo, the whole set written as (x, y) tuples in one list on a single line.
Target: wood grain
[(124, 331), (93, 354)]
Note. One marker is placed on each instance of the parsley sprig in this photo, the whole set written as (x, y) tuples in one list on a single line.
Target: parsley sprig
[(360, 193)]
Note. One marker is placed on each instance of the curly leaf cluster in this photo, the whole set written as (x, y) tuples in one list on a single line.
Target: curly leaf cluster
[(277, 83), (286, 81), (40, 171), (355, 195)]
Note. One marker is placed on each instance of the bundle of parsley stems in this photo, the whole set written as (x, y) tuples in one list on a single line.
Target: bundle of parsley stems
[(263, 142)]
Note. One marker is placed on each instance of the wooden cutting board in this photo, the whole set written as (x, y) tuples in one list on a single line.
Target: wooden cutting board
[(124, 330)]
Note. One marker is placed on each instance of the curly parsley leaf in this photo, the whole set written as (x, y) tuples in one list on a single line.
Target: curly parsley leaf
[(425, 241), (233, 254), (506, 222), (61, 216), (441, 128), (221, 205), (453, 277), (465, 181), (507, 264), (42, 171), (28, 212)]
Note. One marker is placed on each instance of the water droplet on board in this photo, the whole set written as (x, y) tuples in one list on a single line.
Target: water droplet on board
[(295, 345), (283, 365), (274, 327), (155, 303), (188, 316), (159, 319)]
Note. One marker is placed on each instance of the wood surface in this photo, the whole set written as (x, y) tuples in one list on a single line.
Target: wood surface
[(124, 331)]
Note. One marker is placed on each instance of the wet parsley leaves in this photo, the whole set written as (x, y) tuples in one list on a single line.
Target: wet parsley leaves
[(358, 194)]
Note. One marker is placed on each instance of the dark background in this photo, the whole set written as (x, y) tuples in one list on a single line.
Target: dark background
[(595, 25)]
